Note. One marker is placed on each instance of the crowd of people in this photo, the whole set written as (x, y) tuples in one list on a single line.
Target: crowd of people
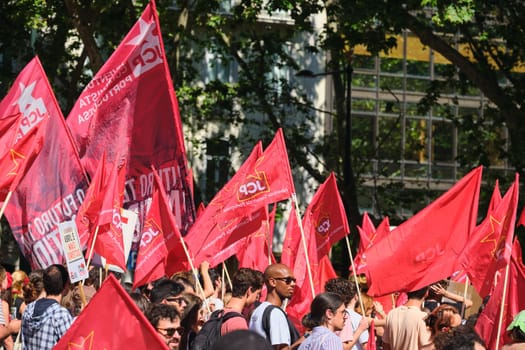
[(250, 313)]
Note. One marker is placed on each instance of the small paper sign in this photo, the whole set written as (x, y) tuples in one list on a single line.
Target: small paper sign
[(76, 264)]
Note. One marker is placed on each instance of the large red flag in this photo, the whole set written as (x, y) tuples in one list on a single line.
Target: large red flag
[(132, 96), (18, 155), (53, 187), (487, 323), (160, 238), (268, 181), (489, 246), (111, 320), (424, 249), (211, 235)]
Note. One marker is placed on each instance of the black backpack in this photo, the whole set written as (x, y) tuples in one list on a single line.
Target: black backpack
[(211, 330), (294, 333)]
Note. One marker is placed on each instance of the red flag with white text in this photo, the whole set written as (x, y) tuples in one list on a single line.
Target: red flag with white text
[(132, 96), (513, 301), (53, 188), (211, 235), (111, 320), (268, 181), (490, 244), (424, 249), (326, 216), (160, 237)]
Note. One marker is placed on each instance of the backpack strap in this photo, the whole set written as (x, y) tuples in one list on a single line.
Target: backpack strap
[(294, 333)]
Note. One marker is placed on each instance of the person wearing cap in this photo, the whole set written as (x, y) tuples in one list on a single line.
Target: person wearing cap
[(516, 330)]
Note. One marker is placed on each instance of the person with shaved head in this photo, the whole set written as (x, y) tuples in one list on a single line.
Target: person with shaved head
[(268, 319)]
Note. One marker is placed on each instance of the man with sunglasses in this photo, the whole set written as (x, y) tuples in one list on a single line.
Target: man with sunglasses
[(166, 321), (166, 291), (280, 285)]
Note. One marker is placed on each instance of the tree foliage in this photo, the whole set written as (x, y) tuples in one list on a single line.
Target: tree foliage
[(232, 70)]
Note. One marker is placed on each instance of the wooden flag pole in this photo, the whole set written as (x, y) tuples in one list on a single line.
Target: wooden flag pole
[(227, 275), (223, 285), (200, 290), (463, 307), (6, 201), (90, 256), (269, 242), (355, 275), (303, 240), (502, 309)]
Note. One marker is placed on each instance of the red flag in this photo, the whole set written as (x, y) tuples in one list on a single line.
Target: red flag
[(132, 96), (326, 216), (18, 155), (159, 238), (326, 271), (302, 298), (371, 344), (424, 249), (496, 197), (100, 213), (487, 323), (9, 126), (210, 236), (53, 187), (256, 252), (373, 236), (366, 232), (268, 181), (111, 320), (490, 244), (292, 240), (521, 220)]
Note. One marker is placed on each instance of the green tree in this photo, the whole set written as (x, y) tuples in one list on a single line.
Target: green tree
[(232, 69)]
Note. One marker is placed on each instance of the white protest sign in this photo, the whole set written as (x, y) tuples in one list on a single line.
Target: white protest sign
[(76, 265)]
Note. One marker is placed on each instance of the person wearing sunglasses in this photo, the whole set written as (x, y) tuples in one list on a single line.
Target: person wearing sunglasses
[(166, 321), (166, 291), (268, 319)]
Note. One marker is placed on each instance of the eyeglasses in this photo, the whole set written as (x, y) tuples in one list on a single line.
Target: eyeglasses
[(178, 300), (287, 280), (171, 331)]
